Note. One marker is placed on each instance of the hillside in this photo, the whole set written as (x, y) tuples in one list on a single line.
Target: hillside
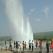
[(43, 35), (5, 37)]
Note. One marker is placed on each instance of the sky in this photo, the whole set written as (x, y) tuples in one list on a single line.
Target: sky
[(39, 12)]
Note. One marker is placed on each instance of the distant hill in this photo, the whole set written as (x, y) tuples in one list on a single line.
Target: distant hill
[(40, 35), (5, 38), (43, 35)]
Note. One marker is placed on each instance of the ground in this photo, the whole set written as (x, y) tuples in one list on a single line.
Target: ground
[(37, 50), (3, 51)]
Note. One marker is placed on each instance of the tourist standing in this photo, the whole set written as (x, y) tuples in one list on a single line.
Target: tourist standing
[(20, 46), (14, 44), (40, 46), (5, 45), (23, 45), (36, 43), (32, 45), (51, 45), (29, 45), (10, 46), (47, 47)]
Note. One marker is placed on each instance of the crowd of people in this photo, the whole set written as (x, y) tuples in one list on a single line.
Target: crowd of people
[(23, 45)]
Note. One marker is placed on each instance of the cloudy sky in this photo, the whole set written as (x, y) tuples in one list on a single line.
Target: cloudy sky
[(40, 13)]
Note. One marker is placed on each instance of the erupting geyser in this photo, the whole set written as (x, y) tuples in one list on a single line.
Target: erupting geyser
[(14, 13)]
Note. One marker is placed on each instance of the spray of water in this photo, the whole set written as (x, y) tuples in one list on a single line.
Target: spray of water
[(29, 31), (14, 13)]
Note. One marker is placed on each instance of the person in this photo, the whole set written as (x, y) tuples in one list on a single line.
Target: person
[(51, 45), (36, 43), (29, 45), (32, 45), (47, 47), (14, 44), (23, 45), (20, 46), (10, 46), (40, 46), (5, 45)]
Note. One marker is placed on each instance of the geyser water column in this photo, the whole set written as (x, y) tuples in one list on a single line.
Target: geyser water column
[(29, 30), (15, 16), (14, 13)]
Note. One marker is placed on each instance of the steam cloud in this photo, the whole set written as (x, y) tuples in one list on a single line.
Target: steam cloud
[(14, 13)]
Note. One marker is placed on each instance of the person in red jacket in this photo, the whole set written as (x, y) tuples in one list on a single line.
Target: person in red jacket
[(51, 45)]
